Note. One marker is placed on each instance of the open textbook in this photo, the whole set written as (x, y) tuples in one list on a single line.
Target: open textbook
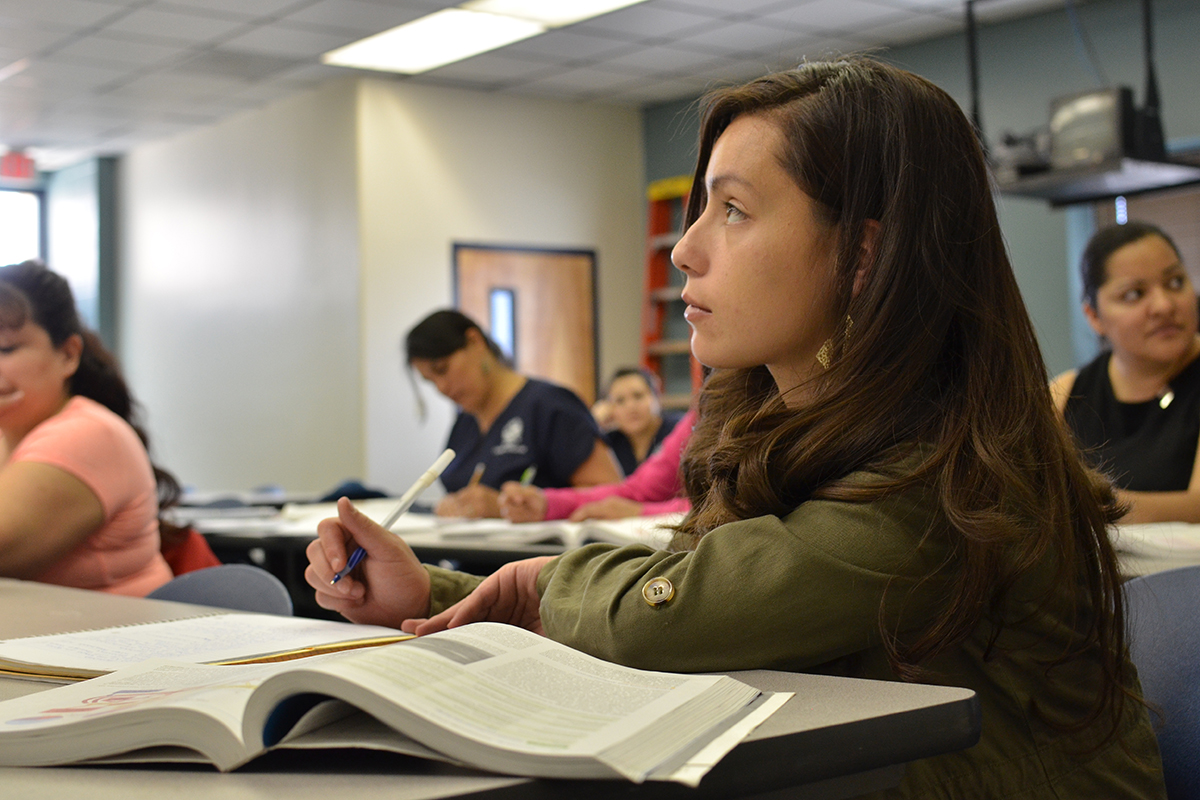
[(488, 696), (209, 639)]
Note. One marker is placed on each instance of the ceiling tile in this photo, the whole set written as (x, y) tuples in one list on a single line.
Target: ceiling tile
[(27, 39), (72, 13), (235, 65), (581, 80), (186, 88), (724, 8), (353, 15), (48, 75), (569, 44), (648, 22), (100, 49), (239, 8), (280, 39), (833, 15), (654, 61), (491, 69), (178, 24), (741, 37)]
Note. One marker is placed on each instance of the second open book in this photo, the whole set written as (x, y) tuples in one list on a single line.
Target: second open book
[(489, 696)]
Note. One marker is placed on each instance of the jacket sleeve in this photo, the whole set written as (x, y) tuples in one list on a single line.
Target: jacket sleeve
[(765, 593), (447, 587)]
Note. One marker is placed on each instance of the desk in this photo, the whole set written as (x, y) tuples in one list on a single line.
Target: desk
[(276, 540), (837, 738)]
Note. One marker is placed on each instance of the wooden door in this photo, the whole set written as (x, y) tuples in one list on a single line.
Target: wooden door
[(550, 297)]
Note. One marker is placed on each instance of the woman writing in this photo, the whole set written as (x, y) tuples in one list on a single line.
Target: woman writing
[(1135, 409), (508, 426), (880, 485), (78, 494)]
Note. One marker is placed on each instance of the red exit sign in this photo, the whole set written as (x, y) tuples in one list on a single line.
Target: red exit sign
[(15, 164)]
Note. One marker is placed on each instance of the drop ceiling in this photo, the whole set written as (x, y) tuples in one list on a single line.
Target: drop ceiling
[(90, 77)]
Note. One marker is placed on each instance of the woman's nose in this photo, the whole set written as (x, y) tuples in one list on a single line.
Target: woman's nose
[(684, 255)]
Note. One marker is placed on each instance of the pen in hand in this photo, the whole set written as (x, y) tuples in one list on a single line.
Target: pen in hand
[(430, 475), (477, 475), (528, 475)]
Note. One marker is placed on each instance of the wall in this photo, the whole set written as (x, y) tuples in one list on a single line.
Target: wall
[(1023, 64), (441, 166), (240, 296), (273, 262)]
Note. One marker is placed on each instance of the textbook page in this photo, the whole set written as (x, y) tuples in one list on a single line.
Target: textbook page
[(79, 722), (207, 639), (507, 700)]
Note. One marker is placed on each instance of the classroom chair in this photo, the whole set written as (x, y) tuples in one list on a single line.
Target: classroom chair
[(1164, 624), (242, 587)]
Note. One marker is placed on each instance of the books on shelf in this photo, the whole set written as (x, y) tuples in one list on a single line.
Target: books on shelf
[(208, 639), (488, 696)]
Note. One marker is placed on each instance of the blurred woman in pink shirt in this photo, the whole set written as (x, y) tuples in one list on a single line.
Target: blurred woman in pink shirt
[(78, 494)]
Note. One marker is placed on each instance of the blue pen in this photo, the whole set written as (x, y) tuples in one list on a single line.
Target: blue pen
[(430, 475)]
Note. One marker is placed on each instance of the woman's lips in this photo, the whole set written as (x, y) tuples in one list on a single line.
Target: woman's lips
[(694, 310)]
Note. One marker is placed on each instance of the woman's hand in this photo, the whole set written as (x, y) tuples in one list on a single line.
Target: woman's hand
[(473, 502), (386, 588), (508, 595), (522, 503), (608, 508)]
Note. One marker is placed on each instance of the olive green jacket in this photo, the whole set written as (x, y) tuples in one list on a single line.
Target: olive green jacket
[(808, 592)]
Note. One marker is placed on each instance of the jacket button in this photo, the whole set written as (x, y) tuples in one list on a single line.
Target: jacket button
[(657, 591)]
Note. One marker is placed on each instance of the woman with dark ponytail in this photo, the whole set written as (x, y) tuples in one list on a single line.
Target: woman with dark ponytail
[(79, 497)]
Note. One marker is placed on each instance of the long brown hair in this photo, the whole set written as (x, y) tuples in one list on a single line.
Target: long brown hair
[(938, 382)]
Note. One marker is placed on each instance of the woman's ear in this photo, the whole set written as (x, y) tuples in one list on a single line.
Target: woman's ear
[(474, 338), (868, 248), (72, 352), (1089, 312)]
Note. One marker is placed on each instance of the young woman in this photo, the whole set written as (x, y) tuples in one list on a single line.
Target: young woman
[(880, 484), (78, 494), (1135, 409), (507, 423), (635, 420)]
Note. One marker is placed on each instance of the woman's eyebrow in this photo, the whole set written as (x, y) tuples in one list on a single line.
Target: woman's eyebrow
[(717, 181)]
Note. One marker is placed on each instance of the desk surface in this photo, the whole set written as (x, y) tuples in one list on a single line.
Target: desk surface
[(838, 737)]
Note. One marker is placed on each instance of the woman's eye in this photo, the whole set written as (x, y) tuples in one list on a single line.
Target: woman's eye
[(1131, 296), (1175, 282), (733, 213)]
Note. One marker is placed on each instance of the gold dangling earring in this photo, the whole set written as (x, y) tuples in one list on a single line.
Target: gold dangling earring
[(823, 357), (823, 353)]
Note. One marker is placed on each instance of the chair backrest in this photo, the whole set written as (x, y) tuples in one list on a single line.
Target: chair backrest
[(242, 587), (1164, 624)]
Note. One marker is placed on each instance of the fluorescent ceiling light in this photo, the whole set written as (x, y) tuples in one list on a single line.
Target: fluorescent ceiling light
[(433, 41), (551, 13)]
